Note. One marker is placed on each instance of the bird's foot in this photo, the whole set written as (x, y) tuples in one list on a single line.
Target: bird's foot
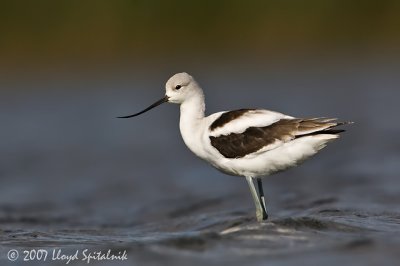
[(261, 215)]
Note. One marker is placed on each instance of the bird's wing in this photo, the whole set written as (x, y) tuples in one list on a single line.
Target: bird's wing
[(239, 133), (237, 121)]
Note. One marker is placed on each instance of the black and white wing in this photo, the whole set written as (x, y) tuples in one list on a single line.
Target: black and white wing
[(238, 133)]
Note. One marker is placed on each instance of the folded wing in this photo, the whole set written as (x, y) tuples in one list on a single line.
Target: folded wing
[(250, 134)]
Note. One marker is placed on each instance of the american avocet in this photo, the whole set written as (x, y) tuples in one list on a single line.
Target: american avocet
[(252, 143)]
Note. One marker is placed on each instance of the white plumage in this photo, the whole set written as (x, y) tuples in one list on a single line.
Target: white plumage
[(252, 143)]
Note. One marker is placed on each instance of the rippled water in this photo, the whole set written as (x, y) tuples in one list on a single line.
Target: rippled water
[(74, 177)]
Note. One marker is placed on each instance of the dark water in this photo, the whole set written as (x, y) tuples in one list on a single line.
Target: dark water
[(73, 177)]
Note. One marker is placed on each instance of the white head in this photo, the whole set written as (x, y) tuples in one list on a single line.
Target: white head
[(179, 88)]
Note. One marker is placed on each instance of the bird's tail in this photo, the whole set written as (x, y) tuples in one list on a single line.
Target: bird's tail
[(315, 126)]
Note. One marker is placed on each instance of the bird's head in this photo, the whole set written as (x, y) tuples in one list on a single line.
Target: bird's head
[(179, 87)]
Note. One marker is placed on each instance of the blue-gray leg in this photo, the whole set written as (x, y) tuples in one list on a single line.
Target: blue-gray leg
[(259, 200), (262, 198)]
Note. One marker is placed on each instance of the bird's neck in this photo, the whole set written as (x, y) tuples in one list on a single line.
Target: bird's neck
[(192, 121), (193, 109)]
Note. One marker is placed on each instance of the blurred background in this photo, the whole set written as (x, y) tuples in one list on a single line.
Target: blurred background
[(109, 36), (68, 68)]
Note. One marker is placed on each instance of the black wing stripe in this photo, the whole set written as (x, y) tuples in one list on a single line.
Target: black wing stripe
[(237, 145), (228, 117)]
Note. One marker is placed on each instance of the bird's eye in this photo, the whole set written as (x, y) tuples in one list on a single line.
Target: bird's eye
[(177, 87)]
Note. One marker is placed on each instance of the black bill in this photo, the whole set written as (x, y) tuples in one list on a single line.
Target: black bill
[(161, 101)]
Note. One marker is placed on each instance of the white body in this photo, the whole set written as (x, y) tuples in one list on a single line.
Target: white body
[(195, 130), (195, 134)]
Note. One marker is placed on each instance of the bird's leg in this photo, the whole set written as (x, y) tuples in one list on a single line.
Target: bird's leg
[(262, 198), (259, 208)]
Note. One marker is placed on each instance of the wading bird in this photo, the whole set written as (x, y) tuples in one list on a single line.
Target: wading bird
[(251, 143)]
